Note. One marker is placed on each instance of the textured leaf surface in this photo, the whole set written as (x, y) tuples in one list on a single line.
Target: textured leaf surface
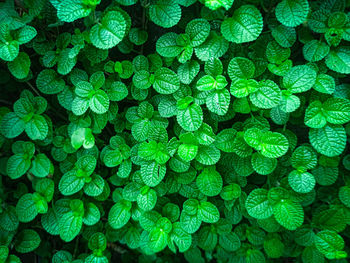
[(299, 79), (258, 205), (292, 12), (289, 214), (165, 13), (244, 26), (209, 182), (329, 140), (330, 244), (110, 32)]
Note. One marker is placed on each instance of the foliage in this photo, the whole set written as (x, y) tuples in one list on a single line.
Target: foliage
[(174, 131)]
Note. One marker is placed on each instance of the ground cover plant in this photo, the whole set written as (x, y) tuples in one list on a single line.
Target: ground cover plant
[(174, 131)]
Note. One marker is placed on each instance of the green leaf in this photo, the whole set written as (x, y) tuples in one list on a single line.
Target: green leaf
[(187, 152), (263, 165), (25, 34), (127, 2), (148, 220), (230, 192), (70, 183), (92, 214), (9, 219), (324, 84), (119, 214), (118, 91), (27, 241), (292, 12), (86, 165), (165, 13), (4, 253), (208, 212), (99, 103), (152, 173), (215, 46), (284, 36), (315, 50), (219, 101), (213, 67), (230, 242), (167, 45), (337, 110), (109, 32), (338, 60), (190, 223), (147, 199), (9, 43), (17, 165), (257, 204), (82, 137), (344, 195), (166, 81), (9, 50), (198, 30), (330, 244), (267, 96), (157, 240), (245, 25), (224, 140), (37, 128), (289, 102), (301, 182), (329, 140), (182, 239), (299, 79), (273, 145), (69, 226), (311, 254), (71, 10), (20, 66), (276, 53), (304, 158), (95, 186), (41, 165), (112, 158), (11, 125), (314, 115), (141, 130), (153, 151), (216, 4), (208, 155), (97, 241), (25, 209), (188, 71), (80, 105), (65, 63), (49, 82), (289, 214), (252, 137), (190, 118), (97, 79), (138, 36), (142, 79), (209, 182), (207, 83), (274, 247), (242, 88)]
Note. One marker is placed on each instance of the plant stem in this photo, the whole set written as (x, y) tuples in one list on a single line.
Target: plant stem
[(34, 89), (6, 102)]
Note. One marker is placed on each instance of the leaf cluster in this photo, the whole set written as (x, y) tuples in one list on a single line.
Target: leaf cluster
[(174, 131)]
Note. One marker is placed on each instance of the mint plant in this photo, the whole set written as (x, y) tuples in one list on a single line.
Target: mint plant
[(174, 131)]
